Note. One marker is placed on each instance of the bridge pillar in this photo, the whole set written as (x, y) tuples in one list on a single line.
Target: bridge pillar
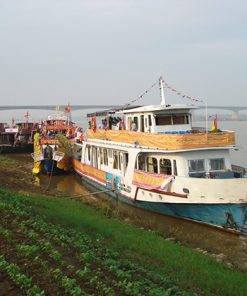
[(235, 115)]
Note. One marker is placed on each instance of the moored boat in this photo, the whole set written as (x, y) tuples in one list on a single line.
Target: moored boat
[(155, 159), (7, 137), (53, 144), (18, 137)]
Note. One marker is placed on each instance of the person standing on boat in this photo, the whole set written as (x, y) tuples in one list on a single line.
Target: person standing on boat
[(133, 126), (48, 152)]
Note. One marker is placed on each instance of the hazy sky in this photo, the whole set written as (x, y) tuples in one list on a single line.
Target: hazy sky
[(110, 51)]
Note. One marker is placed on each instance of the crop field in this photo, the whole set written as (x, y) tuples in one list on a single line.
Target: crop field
[(42, 258)]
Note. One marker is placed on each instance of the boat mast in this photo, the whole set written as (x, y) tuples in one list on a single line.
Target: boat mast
[(162, 96)]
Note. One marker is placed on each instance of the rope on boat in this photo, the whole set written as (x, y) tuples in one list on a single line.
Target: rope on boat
[(92, 193), (49, 183)]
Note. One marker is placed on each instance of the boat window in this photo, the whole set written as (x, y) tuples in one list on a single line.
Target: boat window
[(175, 171), (116, 160), (152, 165), (165, 166), (163, 120), (141, 162), (149, 120), (197, 168), (196, 165), (126, 159), (88, 153), (180, 119), (101, 155), (129, 123), (109, 153), (217, 164), (135, 119), (105, 156), (94, 157), (142, 123)]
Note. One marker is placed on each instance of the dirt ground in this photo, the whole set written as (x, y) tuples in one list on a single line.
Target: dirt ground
[(16, 174)]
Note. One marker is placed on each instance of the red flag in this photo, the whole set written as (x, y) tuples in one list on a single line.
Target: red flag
[(93, 123), (67, 108), (123, 123)]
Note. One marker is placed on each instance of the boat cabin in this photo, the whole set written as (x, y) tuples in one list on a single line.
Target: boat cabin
[(214, 164), (158, 119), (154, 119)]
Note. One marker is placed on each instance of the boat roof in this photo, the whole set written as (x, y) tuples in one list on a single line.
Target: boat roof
[(141, 109), (156, 108), (111, 111)]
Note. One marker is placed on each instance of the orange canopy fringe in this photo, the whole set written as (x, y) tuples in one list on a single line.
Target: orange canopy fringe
[(166, 141)]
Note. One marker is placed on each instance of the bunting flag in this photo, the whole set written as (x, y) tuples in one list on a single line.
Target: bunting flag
[(166, 85), (141, 96), (182, 95)]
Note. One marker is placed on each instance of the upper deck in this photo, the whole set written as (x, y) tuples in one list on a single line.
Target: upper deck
[(162, 126)]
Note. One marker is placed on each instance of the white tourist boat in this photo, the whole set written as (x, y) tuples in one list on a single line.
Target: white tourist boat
[(165, 164)]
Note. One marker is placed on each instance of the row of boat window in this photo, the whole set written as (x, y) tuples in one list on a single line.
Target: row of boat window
[(197, 167), (118, 160), (138, 121), (171, 119), (97, 156), (153, 165)]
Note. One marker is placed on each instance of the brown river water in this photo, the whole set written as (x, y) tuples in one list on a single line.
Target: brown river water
[(223, 246)]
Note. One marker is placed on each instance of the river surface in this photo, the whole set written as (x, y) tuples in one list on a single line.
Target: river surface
[(228, 247)]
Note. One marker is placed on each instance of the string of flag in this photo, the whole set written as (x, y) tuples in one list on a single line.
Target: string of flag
[(166, 85), (142, 95)]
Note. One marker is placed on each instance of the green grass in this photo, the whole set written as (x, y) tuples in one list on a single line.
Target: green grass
[(186, 267), (190, 270)]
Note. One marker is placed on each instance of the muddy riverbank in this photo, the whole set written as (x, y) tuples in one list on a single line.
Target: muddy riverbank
[(15, 174)]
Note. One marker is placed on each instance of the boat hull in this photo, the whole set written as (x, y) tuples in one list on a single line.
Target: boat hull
[(231, 217), (49, 166)]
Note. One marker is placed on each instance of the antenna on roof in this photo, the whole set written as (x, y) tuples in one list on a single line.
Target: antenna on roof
[(162, 96)]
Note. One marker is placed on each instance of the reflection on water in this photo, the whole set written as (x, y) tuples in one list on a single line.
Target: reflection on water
[(227, 246)]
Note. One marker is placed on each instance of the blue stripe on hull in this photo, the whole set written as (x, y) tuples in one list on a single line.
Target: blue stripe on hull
[(215, 214)]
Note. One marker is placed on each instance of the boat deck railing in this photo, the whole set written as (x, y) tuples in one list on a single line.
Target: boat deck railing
[(170, 141)]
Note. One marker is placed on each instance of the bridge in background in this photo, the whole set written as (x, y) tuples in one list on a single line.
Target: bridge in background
[(234, 109), (61, 107)]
